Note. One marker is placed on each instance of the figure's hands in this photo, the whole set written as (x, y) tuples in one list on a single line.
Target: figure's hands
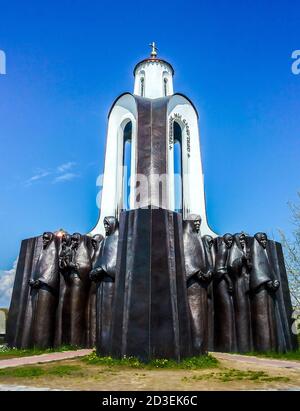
[(95, 275), (34, 283), (273, 285), (206, 277), (62, 263), (75, 266)]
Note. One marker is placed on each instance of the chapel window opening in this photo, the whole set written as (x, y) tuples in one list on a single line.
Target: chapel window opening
[(127, 147)]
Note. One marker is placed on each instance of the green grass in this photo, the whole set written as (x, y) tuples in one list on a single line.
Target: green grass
[(237, 375), (33, 371), (290, 355), (6, 352), (193, 363)]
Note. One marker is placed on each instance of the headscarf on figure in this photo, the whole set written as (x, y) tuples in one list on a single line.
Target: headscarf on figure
[(105, 266), (196, 262)]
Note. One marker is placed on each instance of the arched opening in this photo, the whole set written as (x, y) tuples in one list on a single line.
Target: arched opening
[(165, 86), (142, 86), (178, 190), (127, 138)]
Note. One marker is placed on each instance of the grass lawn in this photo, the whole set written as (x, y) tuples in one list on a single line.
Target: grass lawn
[(6, 352), (197, 373)]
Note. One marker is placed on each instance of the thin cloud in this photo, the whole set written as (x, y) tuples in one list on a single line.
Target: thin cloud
[(61, 173), (66, 166), (7, 278), (37, 177), (65, 177)]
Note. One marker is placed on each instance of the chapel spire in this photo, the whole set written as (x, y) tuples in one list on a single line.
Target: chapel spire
[(153, 76), (154, 50)]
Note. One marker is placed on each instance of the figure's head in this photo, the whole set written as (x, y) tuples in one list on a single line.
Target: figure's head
[(228, 240), (66, 238), (242, 239), (75, 240), (47, 238), (208, 240), (96, 239), (110, 225), (196, 219), (262, 238)]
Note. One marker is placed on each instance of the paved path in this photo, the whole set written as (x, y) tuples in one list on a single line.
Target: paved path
[(43, 358), (258, 360)]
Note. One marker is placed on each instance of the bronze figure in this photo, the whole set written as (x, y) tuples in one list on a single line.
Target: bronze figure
[(44, 288), (263, 286), (224, 332), (239, 266), (75, 298), (91, 306), (103, 274), (199, 275), (210, 253)]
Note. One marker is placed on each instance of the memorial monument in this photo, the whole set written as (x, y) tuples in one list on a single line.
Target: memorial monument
[(152, 280)]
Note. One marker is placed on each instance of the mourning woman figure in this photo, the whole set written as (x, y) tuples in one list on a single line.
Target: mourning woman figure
[(103, 274), (45, 285), (76, 294), (209, 248), (91, 306), (65, 257), (263, 286), (199, 276), (224, 332), (239, 267)]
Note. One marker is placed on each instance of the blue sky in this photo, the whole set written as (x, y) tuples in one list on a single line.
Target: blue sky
[(68, 60)]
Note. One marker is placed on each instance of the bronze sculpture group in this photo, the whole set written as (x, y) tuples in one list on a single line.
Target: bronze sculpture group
[(67, 292)]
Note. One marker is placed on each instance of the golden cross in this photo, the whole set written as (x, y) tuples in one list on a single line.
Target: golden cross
[(154, 49)]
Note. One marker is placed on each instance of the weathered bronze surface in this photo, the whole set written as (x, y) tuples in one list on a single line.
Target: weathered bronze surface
[(152, 288)]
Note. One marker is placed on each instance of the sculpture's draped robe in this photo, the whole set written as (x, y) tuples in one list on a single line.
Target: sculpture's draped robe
[(238, 271), (91, 305), (262, 300), (210, 258), (75, 298), (45, 297), (225, 337), (107, 262), (196, 264)]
